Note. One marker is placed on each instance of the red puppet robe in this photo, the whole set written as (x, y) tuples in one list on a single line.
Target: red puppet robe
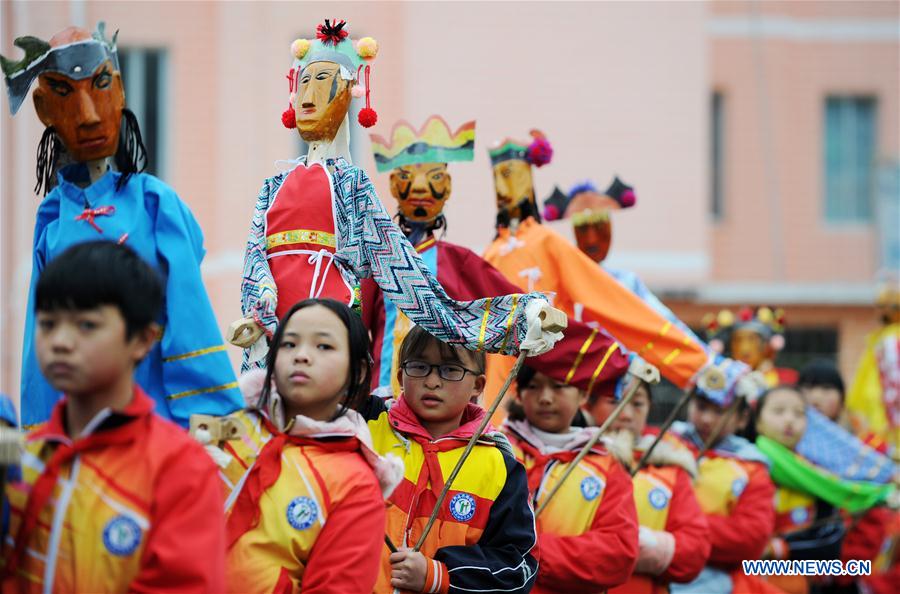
[(584, 358)]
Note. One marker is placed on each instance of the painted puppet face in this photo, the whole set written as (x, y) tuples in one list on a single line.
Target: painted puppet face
[(86, 114), (749, 347), (594, 238), (421, 190), (323, 99), (514, 186)]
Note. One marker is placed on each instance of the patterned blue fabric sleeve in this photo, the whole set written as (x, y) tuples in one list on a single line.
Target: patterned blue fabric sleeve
[(258, 293), (370, 244)]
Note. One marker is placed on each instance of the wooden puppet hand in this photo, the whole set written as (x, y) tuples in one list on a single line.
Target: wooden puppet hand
[(408, 569), (545, 326), (244, 333)]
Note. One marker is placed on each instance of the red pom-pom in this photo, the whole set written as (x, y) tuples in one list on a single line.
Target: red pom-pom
[(745, 314), (539, 152), (551, 213), (627, 198), (331, 33), (289, 117), (367, 117)]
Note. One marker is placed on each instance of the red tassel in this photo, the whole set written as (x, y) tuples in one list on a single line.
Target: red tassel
[(367, 116), (289, 118)]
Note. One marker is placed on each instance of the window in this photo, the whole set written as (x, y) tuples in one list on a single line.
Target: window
[(849, 155), (144, 73), (716, 148)]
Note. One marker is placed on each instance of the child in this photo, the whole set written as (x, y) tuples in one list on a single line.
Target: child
[(588, 532), (674, 541), (781, 418), (484, 536), (305, 509), (733, 485), (822, 387), (113, 497)]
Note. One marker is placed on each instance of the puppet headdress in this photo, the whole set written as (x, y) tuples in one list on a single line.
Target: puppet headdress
[(434, 142), (538, 152), (766, 322), (76, 60), (333, 44), (586, 204)]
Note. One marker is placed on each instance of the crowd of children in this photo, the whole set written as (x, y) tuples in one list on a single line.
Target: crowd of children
[(318, 483), (326, 488)]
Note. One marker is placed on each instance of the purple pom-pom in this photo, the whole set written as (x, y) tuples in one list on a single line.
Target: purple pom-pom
[(540, 152), (551, 213), (627, 198)]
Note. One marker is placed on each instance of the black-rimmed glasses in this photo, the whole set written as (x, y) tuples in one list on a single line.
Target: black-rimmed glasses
[(448, 372)]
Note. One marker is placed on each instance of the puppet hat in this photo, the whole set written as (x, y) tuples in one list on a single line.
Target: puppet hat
[(538, 152), (434, 142), (333, 44)]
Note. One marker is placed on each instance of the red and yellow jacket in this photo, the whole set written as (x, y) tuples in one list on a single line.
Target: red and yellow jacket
[(131, 505), (484, 537), (588, 532), (304, 508), (665, 502), (736, 494)]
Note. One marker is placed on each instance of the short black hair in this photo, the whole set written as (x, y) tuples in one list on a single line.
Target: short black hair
[(97, 273), (821, 373), (418, 339)]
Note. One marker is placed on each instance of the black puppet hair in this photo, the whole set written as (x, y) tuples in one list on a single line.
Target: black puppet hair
[(97, 273), (416, 231), (130, 157), (528, 208), (359, 374)]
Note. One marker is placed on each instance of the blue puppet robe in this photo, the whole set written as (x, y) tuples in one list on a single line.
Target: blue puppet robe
[(188, 370)]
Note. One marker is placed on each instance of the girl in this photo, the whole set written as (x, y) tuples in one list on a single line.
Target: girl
[(588, 533), (304, 508)]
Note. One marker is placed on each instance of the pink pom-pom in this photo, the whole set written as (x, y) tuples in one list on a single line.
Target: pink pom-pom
[(551, 213), (357, 91), (289, 117), (367, 117), (628, 198), (539, 152), (777, 342)]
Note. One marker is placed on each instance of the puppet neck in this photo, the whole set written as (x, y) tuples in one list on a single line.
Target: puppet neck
[(97, 168), (339, 146)]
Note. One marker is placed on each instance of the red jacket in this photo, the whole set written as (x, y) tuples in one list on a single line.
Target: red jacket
[(134, 504), (665, 500), (588, 532)]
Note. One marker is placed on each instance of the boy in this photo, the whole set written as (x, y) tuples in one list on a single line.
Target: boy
[(673, 541), (484, 536), (733, 486), (113, 497), (589, 531)]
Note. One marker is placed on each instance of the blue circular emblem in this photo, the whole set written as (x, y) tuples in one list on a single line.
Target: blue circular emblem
[(799, 515), (121, 536), (591, 487), (738, 486), (462, 507), (302, 512), (658, 497)]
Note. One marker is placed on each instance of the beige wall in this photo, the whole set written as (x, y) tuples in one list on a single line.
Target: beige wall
[(617, 87)]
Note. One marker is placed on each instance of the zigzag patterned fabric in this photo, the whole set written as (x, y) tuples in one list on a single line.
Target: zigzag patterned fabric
[(370, 244)]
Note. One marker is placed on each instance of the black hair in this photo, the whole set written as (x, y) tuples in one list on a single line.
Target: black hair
[(821, 373), (130, 157), (359, 374), (527, 208), (98, 273), (749, 431), (415, 231), (418, 339)]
